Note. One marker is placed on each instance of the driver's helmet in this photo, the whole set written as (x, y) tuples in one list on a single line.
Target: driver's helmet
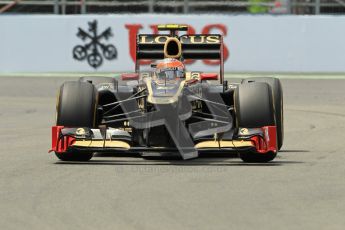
[(169, 69)]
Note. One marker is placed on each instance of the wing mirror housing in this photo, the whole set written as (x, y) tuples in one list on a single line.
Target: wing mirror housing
[(208, 76), (129, 76)]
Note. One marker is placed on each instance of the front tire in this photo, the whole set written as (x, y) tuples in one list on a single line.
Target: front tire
[(76, 107), (277, 91), (254, 109)]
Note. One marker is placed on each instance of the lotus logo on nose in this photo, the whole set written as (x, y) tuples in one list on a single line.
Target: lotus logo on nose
[(80, 131), (244, 131), (94, 50)]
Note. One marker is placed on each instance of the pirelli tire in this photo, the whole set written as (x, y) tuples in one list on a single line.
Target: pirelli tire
[(277, 91), (76, 107), (253, 109)]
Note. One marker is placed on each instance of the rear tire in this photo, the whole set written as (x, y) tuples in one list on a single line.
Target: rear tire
[(277, 91), (96, 81), (76, 107), (254, 109)]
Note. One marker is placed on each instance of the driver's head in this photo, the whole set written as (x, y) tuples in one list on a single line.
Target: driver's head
[(170, 68)]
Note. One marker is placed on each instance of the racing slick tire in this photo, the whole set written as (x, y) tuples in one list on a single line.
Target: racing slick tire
[(254, 109), (76, 107), (277, 91)]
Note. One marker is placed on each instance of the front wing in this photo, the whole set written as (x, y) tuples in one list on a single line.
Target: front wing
[(260, 140)]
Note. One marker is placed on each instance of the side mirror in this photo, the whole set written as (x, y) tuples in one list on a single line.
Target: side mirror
[(129, 76), (208, 76)]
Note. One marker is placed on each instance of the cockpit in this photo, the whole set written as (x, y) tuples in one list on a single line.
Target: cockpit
[(168, 71), (167, 76)]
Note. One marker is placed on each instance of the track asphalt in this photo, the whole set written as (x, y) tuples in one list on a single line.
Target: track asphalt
[(304, 188)]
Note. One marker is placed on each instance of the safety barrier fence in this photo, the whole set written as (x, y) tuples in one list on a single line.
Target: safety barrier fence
[(176, 6)]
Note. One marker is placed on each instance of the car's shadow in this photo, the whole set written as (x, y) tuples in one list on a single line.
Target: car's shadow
[(204, 159)]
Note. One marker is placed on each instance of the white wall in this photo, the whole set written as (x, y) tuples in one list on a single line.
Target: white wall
[(256, 43)]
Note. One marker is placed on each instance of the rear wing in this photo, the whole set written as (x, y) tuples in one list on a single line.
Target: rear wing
[(197, 47)]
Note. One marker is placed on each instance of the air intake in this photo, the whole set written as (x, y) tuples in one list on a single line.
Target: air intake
[(172, 48)]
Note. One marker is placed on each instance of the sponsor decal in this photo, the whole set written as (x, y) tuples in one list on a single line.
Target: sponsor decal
[(244, 131), (94, 50), (191, 39), (105, 86), (80, 132)]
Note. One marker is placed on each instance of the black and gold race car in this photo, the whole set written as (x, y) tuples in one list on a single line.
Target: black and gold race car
[(168, 110)]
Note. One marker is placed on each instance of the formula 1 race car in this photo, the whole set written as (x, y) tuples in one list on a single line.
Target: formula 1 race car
[(169, 110)]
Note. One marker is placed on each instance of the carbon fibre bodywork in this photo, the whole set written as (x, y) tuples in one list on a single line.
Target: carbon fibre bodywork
[(193, 116)]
